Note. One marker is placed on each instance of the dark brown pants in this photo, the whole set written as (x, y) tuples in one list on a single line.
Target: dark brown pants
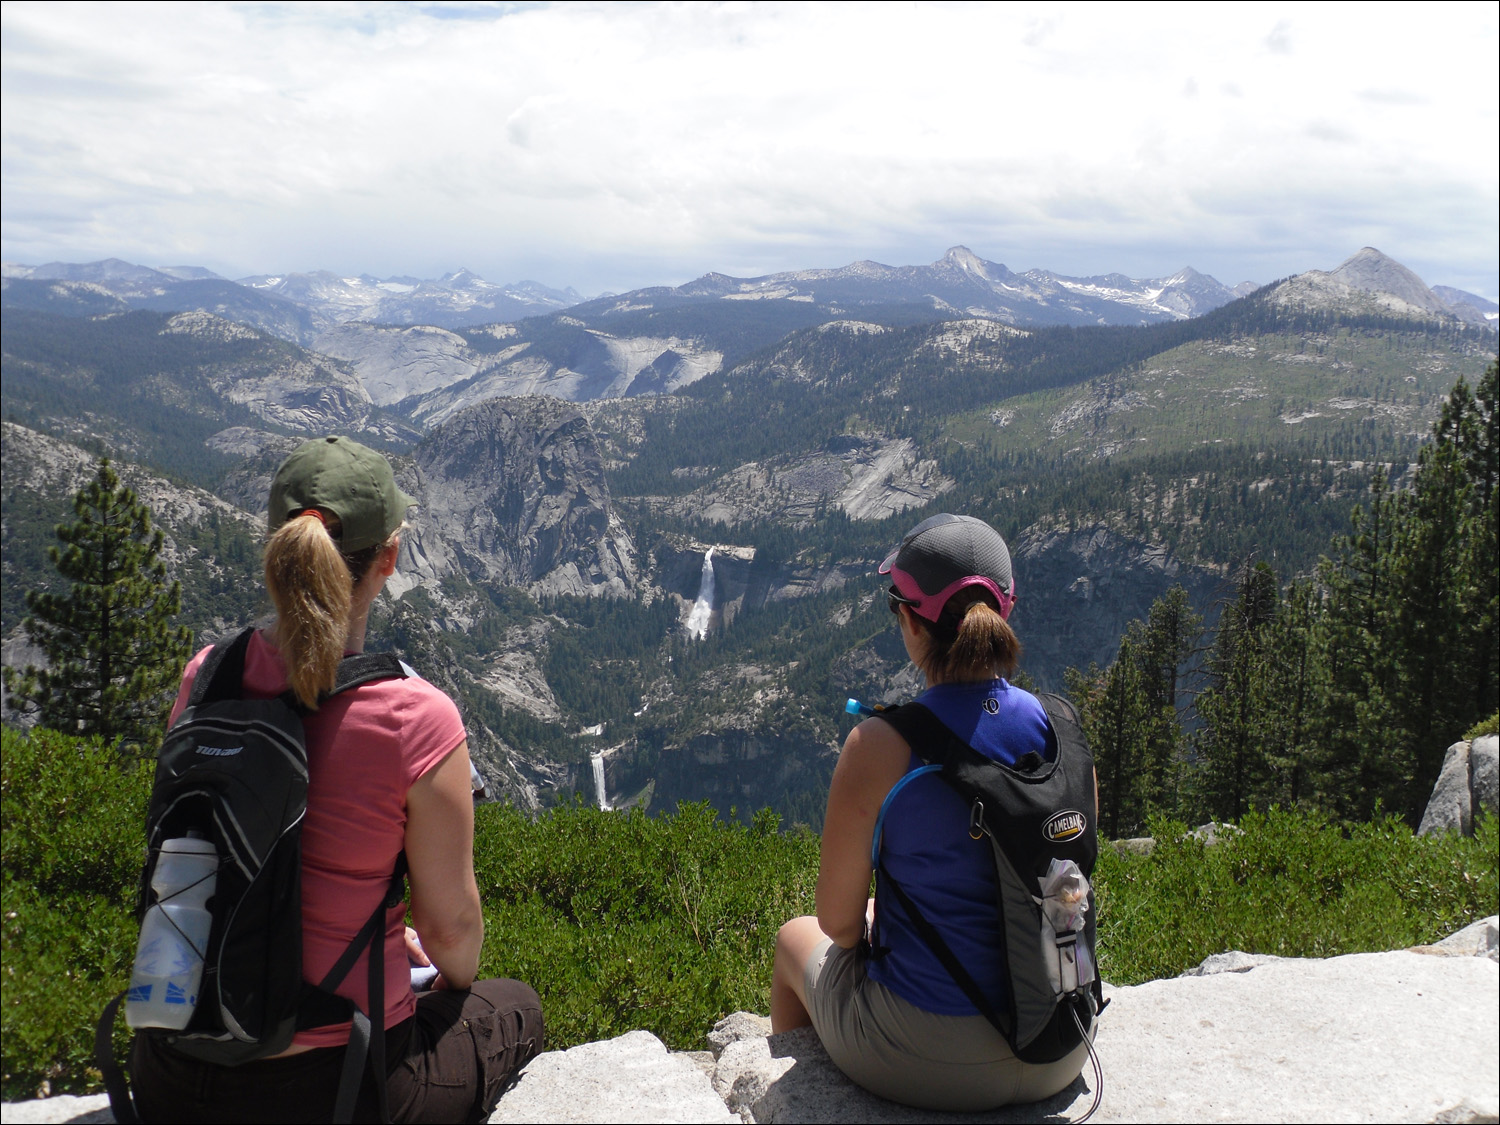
[(449, 1062)]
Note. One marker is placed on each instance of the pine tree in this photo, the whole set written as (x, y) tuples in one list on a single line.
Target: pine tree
[(1116, 711), (1363, 753), (1129, 712), (1294, 686), (1232, 748), (1172, 632), (1446, 568), (113, 653)]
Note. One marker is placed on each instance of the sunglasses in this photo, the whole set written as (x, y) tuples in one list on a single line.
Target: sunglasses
[(893, 599)]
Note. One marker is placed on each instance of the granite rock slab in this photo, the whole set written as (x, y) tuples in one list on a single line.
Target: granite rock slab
[(1400, 1036), (628, 1079)]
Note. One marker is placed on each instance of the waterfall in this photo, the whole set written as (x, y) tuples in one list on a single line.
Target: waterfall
[(697, 622), (597, 761)]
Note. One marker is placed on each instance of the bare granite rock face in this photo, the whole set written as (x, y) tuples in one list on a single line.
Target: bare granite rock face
[(866, 476), (1371, 282), (1080, 587), (513, 491), (395, 362), (92, 1109), (1468, 783), (303, 392), (577, 363), (1482, 939)]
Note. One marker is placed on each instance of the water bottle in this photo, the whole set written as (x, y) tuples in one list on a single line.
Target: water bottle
[(174, 936)]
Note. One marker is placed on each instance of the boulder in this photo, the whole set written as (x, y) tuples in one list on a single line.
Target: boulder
[(631, 1078), (1482, 939), (1484, 774), (1466, 784)]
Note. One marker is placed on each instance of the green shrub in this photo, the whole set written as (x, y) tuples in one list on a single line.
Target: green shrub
[(1294, 885), (1484, 727), (625, 921), (74, 818)]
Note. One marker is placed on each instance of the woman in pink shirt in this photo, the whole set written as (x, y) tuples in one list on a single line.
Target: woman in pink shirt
[(389, 772)]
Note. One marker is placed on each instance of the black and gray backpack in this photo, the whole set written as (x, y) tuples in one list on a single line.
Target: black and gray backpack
[(1033, 813), (234, 771)]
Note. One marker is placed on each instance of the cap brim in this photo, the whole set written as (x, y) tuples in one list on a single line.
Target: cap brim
[(890, 561)]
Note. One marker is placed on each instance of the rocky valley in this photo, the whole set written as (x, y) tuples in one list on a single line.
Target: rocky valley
[(740, 453)]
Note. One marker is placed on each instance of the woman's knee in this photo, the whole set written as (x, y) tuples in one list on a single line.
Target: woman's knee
[(503, 993), (797, 939), (516, 1012), (798, 935)]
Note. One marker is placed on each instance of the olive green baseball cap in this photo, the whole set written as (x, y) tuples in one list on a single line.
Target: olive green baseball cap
[(350, 480)]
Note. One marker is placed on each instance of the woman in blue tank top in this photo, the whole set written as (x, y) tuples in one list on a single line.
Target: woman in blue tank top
[(893, 1019)]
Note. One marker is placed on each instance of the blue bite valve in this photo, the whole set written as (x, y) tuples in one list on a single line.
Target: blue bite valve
[(855, 707)]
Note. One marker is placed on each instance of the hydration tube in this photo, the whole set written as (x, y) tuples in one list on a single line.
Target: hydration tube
[(1088, 1041), (889, 797)]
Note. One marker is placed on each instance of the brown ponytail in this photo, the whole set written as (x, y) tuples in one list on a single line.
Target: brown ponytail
[(970, 641)]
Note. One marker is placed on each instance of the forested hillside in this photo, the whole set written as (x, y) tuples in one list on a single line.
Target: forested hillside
[(1339, 690)]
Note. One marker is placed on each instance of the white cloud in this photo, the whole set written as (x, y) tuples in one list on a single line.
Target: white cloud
[(610, 146)]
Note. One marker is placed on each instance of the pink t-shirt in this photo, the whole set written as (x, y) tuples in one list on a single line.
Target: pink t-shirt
[(365, 749)]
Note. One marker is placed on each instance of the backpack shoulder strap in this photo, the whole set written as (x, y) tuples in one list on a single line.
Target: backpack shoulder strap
[(1063, 717), (222, 671), (355, 671), (366, 667), (924, 732)]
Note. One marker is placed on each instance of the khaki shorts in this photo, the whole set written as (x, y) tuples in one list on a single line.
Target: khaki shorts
[(918, 1058)]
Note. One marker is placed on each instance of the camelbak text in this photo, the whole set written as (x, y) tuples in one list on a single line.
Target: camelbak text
[(219, 751), (1065, 825)]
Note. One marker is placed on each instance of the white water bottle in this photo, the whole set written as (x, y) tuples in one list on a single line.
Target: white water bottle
[(174, 936)]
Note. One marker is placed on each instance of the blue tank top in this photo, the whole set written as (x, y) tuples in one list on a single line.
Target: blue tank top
[(925, 843)]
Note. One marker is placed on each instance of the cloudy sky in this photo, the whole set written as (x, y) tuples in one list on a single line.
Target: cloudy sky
[(614, 146)]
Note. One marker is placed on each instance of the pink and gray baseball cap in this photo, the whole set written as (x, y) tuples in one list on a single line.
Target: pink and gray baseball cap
[(942, 555)]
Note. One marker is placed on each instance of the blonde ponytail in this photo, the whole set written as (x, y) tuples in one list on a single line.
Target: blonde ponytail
[(309, 583)]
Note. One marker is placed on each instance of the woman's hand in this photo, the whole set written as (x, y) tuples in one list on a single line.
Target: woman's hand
[(414, 951), (874, 758)]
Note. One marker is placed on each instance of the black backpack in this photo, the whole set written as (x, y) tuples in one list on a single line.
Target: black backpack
[(235, 771), (1033, 812)]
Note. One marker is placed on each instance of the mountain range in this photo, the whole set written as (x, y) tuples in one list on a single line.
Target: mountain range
[(434, 346), (960, 284), (295, 306)]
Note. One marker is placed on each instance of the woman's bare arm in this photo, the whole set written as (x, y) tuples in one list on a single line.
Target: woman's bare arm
[(873, 760), (440, 852)]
